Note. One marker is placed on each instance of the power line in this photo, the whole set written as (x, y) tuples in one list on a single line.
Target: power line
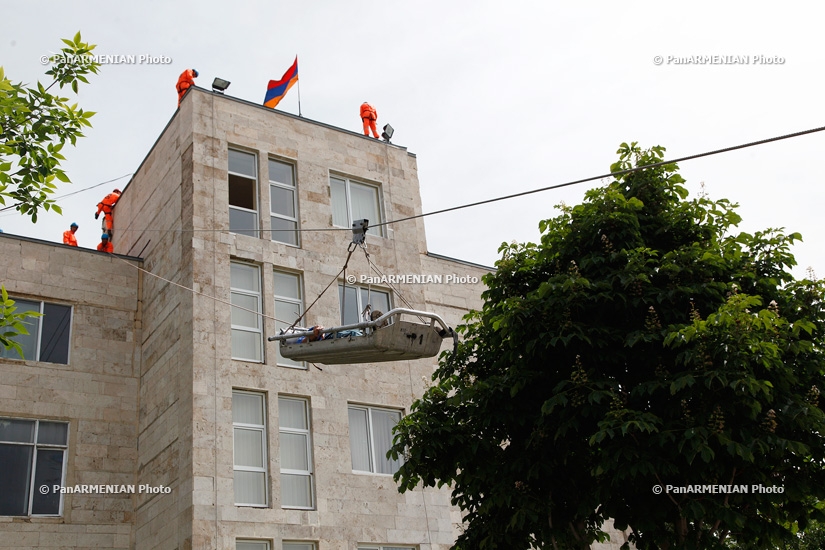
[(523, 193), (69, 194)]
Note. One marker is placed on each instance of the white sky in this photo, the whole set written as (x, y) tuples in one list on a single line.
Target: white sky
[(494, 98)]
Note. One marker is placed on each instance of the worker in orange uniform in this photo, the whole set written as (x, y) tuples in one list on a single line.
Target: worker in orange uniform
[(105, 245), (107, 206), (68, 236), (185, 81), (369, 116)]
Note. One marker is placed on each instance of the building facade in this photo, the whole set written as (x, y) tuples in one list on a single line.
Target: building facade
[(190, 427)]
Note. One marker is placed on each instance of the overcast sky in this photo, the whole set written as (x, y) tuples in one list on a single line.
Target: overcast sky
[(493, 98)]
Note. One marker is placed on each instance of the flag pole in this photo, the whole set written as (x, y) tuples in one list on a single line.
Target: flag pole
[(299, 90)]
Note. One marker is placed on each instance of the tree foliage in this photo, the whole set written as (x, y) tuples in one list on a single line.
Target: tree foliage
[(36, 125), (642, 343)]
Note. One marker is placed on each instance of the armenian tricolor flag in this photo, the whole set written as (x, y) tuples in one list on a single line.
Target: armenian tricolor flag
[(277, 89)]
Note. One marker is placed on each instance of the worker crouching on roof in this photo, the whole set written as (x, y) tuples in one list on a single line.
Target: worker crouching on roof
[(68, 235), (105, 245), (369, 115), (185, 81), (107, 206)]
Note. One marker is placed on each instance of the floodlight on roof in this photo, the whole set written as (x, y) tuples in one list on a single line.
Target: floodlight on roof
[(387, 133), (220, 85)]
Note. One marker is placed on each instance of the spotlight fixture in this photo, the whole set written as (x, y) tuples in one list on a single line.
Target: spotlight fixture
[(387, 133), (220, 85)]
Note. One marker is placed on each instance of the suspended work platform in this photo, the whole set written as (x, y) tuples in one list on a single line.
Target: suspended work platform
[(369, 341)]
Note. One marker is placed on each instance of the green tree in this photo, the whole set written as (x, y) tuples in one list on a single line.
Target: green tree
[(642, 343), (34, 127)]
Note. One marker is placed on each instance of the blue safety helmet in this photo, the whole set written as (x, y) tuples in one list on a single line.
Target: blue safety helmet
[(104, 236), (74, 224)]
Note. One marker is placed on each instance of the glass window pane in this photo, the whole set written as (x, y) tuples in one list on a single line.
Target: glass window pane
[(377, 299), (242, 163), (287, 285), (249, 448), (246, 345), (248, 408), (54, 341), (338, 195), (364, 202), (245, 314), (244, 277), (21, 431), (250, 487), (296, 490), (349, 306), (52, 433), (284, 231), (243, 222), (382, 424), (292, 413), (294, 452), (251, 545), (14, 483), (281, 172), (27, 341), (359, 440), (299, 546), (49, 472), (283, 201)]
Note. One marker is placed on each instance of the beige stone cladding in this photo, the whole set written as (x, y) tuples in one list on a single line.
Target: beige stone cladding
[(95, 392)]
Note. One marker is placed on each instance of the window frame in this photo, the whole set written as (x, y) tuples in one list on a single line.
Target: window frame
[(272, 214), (385, 547), (310, 472), (64, 448), (312, 545), (284, 323), (256, 231), (376, 229), (266, 544), (360, 305), (264, 449), (371, 436), (35, 325), (233, 291)]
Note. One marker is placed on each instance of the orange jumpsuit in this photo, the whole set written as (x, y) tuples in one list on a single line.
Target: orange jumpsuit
[(106, 246), (69, 238), (185, 81), (107, 206), (369, 116)]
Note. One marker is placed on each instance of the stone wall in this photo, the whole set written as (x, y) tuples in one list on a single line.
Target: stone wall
[(96, 392)]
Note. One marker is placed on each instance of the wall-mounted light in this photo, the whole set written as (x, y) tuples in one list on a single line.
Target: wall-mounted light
[(387, 133)]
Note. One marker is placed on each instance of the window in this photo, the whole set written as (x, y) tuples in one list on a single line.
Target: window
[(247, 331), (355, 201), (370, 437), (354, 299), (249, 431), (299, 546), (243, 203), (33, 454), (252, 545), (296, 453), (288, 306), (283, 202), (49, 336)]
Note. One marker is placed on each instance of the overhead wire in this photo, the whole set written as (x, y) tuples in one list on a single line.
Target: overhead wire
[(520, 194)]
